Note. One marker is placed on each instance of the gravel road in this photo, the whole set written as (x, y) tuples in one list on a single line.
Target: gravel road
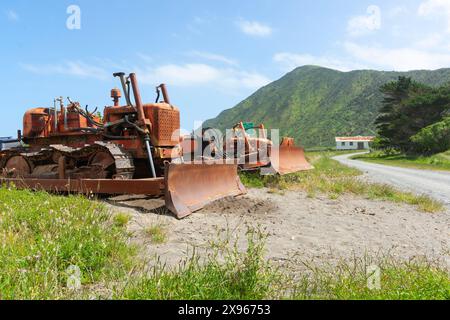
[(435, 184)]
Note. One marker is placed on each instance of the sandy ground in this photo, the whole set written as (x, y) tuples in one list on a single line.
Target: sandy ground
[(300, 229)]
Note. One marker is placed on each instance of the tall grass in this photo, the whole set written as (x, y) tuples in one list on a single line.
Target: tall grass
[(231, 273), (226, 273), (350, 280), (42, 235), (334, 179)]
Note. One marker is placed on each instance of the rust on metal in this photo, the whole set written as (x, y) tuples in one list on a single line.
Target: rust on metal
[(17, 166), (164, 93), (87, 186), (130, 150), (290, 158), (189, 187), (116, 95), (138, 100)]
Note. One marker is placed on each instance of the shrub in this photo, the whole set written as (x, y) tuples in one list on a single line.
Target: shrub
[(433, 139)]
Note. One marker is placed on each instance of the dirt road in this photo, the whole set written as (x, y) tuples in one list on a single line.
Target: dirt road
[(300, 229), (435, 184)]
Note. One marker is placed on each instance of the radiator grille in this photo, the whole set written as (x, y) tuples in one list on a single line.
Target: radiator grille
[(167, 127)]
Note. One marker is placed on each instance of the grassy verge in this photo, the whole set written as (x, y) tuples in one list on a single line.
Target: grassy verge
[(44, 239), (234, 274), (226, 273), (334, 179), (436, 162), (358, 280), (44, 236)]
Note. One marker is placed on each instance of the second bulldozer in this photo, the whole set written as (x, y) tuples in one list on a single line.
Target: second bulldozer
[(250, 148)]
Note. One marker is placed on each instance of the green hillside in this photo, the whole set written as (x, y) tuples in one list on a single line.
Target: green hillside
[(315, 104)]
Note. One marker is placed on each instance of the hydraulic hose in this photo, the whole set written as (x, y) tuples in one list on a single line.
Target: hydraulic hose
[(149, 154)]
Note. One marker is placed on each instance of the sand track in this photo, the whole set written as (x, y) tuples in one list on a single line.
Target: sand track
[(299, 228)]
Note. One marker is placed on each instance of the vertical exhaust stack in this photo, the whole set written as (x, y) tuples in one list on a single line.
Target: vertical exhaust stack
[(164, 93), (138, 100), (125, 86), (143, 121)]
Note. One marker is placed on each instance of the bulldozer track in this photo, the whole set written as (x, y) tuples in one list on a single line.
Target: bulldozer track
[(123, 161)]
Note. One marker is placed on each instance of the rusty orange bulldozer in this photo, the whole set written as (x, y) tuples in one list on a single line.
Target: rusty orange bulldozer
[(249, 147), (130, 149)]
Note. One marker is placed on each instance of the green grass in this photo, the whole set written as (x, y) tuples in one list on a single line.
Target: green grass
[(334, 179), (42, 235), (245, 274), (121, 219), (227, 273), (436, 162), (157, 233), (412, 280)]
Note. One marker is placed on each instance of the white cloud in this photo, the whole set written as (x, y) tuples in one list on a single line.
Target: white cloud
[(213, 57), (254, 28), (409, 43), (189, 75), (12, 15), (361, 25), (431, 8), (397, 11), (400, 59), (68, 68), (290, 61), (431, 41), (183, 75)]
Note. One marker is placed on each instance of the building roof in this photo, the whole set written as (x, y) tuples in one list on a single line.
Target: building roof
[(357, 138)]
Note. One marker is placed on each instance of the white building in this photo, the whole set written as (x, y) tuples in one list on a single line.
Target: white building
[(353, 143)]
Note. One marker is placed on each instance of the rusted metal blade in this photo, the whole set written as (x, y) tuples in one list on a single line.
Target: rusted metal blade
[(289, 158), (189, 187), (87, 186)]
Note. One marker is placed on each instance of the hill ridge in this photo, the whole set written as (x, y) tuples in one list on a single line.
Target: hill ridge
[(315, 104)]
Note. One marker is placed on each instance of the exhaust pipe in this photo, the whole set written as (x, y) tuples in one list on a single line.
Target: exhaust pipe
[(125, 88), (137, 98), (142, 120), (164, 92)]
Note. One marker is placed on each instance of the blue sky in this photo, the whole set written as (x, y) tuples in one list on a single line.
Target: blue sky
[(212, 54)]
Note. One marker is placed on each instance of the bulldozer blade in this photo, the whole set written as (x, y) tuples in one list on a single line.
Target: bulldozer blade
[(189, 187), (289, 159)]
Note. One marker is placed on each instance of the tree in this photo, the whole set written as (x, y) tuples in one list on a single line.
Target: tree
[(408, 107), (433, 139)]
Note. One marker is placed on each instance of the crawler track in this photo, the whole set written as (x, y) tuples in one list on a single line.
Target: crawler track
[(99, 160)]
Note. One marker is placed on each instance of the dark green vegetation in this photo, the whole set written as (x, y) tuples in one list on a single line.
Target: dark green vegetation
[(334, 179), (42, 235), (414, 118), (434, 138), (439, 161), (314, 104)]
